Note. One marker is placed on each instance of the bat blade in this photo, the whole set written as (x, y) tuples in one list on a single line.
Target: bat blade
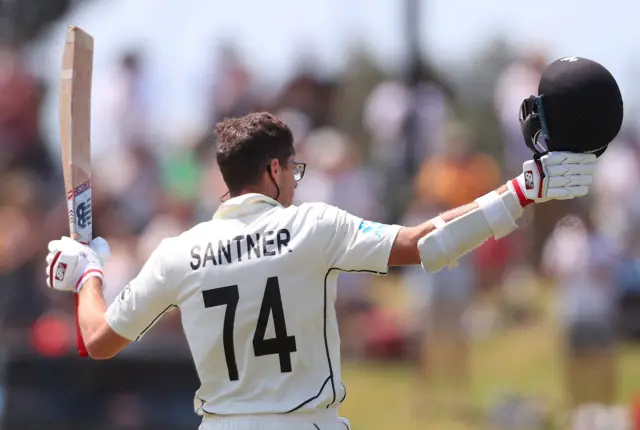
[(75, 138)]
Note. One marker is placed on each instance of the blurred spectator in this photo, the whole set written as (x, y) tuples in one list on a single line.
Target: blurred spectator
[(458, 175), (581, 260), (25, 198), (438, 304), (21, 242), (232, 91), (627, 282), (123, 104), (455, 177), (617, 217), (19, 109), (394, 113), (307, 94), (616, 178), (517, 82), (385, 115)]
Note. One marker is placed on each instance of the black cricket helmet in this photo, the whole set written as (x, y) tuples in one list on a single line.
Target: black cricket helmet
[(578, 108)]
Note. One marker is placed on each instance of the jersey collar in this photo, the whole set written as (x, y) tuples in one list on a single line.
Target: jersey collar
[(244, 205)]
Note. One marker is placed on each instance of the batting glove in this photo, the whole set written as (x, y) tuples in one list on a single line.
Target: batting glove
[(554, 176), (70, 264)]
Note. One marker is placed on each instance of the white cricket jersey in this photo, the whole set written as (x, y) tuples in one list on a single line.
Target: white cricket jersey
[(256, 287)]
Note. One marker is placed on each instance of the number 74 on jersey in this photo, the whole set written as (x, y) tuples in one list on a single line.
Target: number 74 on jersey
[(282, 344)]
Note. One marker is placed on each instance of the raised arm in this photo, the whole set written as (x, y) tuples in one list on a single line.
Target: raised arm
[(75, 267), (405, 249), (439, 242)]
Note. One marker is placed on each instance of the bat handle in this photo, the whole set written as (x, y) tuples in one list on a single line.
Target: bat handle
[(82, 349)]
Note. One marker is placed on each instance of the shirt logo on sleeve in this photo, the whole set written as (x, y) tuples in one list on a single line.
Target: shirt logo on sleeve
[(369, 227), (125, 294)]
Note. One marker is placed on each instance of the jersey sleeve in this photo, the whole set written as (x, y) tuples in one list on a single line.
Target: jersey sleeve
[(145, 299), (355, 244)]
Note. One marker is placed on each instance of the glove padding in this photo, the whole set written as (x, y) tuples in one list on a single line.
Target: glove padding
[(554, 176), (70, 263)]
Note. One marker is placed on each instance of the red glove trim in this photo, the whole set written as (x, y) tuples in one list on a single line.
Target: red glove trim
[(524, 201), (53, 263), (542, 176)]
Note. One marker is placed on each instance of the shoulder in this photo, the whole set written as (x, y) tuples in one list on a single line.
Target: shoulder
[(176, 243), (172, 252), (318, 219), (318, 210), (321, 215)]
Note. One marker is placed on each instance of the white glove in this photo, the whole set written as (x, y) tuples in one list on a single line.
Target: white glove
[(70, 264), (554, 176)]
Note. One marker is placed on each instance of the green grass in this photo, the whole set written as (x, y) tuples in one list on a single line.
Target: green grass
[(527, 360)]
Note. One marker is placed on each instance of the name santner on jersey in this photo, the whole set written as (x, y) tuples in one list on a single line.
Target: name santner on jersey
[(253, 245)]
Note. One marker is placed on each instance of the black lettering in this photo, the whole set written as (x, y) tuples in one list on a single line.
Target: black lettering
[(266, 242), (208, 255), (224, 249), (282, 344), (283, 238), (195, 254), (238, 239), (228, 297), (251, 245)]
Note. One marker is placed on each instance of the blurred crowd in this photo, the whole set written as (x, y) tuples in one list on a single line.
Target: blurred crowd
[(146, 189)]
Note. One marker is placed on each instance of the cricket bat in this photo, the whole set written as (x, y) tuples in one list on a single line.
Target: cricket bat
[(75, 139)]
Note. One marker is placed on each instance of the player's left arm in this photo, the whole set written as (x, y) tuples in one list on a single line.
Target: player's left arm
[(405, 249), (440, 242), (357, 245)]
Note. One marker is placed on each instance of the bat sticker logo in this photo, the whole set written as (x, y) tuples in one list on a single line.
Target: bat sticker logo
[(83, 214), (81, 189)]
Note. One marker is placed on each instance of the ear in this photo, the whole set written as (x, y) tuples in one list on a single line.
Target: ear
[(275, 166)]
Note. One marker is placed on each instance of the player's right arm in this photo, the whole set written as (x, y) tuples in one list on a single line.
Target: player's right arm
[(77, 268), (108, 330), (146, 298), (443, 240)]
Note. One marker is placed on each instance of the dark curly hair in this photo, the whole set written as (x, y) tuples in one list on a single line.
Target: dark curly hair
[(246, 145)]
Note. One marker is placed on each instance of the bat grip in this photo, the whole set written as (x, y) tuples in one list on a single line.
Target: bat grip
[(82, 349)]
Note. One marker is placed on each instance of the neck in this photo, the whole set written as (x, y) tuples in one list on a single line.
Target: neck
[(252, 190)]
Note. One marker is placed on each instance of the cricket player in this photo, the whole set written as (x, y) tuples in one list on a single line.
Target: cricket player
[(256, 284)]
